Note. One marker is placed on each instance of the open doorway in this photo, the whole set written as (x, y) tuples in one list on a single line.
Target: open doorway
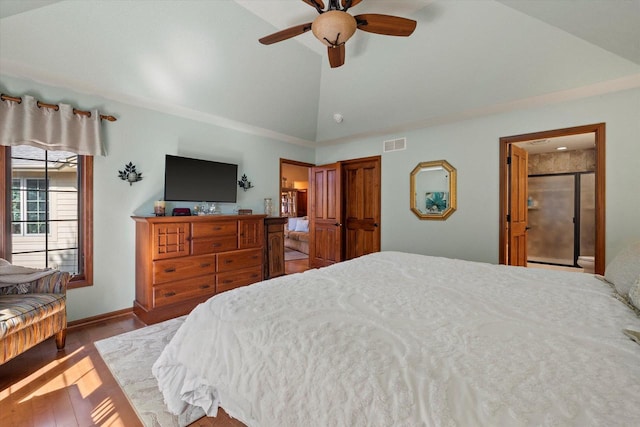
[(552, 212), (294, 205)]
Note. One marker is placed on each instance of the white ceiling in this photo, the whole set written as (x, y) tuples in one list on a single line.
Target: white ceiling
[(200, 59)]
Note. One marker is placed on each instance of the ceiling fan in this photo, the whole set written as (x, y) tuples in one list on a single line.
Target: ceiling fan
[(334, 26)]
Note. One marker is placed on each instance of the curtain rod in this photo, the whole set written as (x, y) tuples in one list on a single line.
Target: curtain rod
[(56, 107)]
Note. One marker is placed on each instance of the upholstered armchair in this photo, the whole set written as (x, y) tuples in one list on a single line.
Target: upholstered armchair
[(32, 312)]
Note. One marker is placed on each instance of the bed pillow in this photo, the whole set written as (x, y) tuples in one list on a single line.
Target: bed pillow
[(624, 269), (302, 225), (291, 225)]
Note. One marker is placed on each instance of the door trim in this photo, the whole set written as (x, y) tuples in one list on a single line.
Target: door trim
[(599, 129)]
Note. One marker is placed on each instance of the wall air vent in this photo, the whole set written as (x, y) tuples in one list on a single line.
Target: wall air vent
[(394, 145)]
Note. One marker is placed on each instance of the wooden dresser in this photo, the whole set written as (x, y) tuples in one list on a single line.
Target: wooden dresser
[(182, 261)]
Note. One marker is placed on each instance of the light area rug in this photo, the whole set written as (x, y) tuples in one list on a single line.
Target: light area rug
[(129, 357), (292, 254)]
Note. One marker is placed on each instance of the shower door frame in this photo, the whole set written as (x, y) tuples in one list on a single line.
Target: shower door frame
[(577, 213)]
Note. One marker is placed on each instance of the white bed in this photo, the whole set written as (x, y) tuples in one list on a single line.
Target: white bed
[(396, 339)]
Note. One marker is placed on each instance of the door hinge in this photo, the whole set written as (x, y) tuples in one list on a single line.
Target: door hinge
[(509, 160)]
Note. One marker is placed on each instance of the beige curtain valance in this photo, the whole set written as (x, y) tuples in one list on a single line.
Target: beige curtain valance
[(26, 123)]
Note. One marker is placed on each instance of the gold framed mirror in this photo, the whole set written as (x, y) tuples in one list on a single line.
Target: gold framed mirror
[(433, 190)]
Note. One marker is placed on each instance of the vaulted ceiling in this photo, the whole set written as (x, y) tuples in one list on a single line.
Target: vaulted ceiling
[(200, 59)]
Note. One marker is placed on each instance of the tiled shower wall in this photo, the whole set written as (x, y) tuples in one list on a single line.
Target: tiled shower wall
[(562, 162)]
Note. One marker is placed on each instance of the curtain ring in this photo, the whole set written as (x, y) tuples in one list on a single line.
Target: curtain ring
[(82, 113), (55, 107), (10, 98)]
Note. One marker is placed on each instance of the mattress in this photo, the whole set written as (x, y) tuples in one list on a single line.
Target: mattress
[(397, 339)]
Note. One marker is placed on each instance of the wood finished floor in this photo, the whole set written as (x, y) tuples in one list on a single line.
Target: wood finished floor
[(296, 266), (74, 387)]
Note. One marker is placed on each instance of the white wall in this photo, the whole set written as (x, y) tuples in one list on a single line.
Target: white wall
[(472, 147), (144, 137)]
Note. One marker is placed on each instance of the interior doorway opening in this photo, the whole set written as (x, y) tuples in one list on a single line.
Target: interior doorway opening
[(562, 198), (294, 205)]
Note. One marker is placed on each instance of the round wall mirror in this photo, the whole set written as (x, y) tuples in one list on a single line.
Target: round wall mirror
[(433, 190)]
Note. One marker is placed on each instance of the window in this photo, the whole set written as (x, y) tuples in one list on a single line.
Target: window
[(29, 206), (48, 209)]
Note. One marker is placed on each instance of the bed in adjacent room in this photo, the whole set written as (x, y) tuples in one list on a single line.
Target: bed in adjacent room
[(397, 339)]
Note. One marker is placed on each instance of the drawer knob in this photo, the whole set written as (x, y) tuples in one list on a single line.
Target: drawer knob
[(253, 276), (204, 286), (205, 265), (169, 294), (217, 245), (227, 281), (217, 228), (170, 270), (228, 261)]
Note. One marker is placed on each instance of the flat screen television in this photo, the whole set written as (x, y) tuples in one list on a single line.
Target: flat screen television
[(195, 180)]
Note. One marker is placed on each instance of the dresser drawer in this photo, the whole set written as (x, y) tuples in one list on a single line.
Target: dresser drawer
[(182, 268), (239, 259), (211, 245), (212, 229), (235, 279), (183, 290)]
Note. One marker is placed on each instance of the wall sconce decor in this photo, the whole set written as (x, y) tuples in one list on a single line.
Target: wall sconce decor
[(244, 183), (130, 174)]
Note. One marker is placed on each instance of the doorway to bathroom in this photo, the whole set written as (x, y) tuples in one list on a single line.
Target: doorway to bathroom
[(552, 198)]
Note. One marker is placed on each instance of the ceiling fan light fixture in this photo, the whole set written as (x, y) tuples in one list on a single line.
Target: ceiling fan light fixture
[(334, 28)]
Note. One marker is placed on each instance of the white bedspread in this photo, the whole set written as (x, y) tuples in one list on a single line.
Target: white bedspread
[(395, 339)]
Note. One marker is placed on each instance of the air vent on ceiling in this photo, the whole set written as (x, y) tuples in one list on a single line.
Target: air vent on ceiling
[(394, 145), (538, 142)]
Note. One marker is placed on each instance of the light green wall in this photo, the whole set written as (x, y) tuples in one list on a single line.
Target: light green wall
[(472, 147), (144, 137)]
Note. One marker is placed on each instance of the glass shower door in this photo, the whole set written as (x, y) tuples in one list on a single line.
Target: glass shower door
[(551, 219)]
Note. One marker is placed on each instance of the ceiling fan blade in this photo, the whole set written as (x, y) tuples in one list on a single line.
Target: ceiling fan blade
[(286, 34), (336, 55), (385, 24), (318, 4), (345, 6)]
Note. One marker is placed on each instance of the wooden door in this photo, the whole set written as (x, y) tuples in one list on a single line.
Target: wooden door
[(361, 200), (518, 177), (325, 218)]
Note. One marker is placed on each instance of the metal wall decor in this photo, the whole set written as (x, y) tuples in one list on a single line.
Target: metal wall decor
[(244, 183), (130, 174)]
